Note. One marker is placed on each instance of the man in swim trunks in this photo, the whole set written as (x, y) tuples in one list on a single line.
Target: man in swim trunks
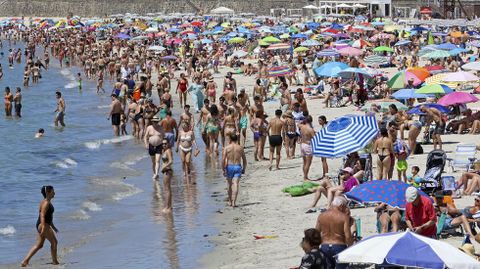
[(169, 125), (242, 107), (153, 138), (306, 134), (435, 115), (234, 163), (276, 130), (60, 110), (115, 114)]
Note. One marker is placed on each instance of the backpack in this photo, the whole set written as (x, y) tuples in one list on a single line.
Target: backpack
[(418, 149)]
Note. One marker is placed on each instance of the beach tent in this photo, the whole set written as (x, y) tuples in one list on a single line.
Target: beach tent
[(222, 10)]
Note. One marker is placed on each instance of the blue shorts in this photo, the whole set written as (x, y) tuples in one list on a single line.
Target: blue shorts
[(234, 171), (448, 224)]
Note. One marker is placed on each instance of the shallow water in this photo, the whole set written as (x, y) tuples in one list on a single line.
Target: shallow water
[(106, 203)]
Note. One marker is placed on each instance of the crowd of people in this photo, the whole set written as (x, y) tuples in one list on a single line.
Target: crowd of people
[(189, 62)]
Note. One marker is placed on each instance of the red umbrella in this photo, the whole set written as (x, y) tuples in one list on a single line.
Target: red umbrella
[(187, 32), (349, 51), (330, 30), (196, 23)]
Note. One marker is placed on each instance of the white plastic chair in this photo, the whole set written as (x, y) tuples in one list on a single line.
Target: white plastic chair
[(464, 157)]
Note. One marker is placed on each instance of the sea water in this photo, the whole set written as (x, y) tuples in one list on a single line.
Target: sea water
[(107, 207)]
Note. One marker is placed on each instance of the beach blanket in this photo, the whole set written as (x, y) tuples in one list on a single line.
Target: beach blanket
[(300, 189)]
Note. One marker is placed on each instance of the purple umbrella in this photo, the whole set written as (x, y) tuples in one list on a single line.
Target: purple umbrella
[(457, 98), (168, 58), (122, 36)]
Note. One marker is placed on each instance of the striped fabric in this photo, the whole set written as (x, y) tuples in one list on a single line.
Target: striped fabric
[(279, 46), (278, 71), (438, 79), (328, 53), (344, 135), (375, 60)]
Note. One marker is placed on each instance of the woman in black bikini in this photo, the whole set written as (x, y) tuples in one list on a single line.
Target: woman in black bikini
[(45, 227), (384, 147), (167, 161)]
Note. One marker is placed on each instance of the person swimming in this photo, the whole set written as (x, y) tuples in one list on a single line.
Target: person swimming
[(40, 133)]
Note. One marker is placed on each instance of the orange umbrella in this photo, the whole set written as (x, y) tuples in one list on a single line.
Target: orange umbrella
[(420, 72), (456, 34)]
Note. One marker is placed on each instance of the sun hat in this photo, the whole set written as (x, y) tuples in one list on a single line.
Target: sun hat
[(468, 249), (411, 194), (348, 170), (155, 118)]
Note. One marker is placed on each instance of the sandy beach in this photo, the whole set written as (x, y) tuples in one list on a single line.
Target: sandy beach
[(265, 210)]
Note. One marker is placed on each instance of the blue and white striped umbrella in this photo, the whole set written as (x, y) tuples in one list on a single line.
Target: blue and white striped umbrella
[(328, 53), (344, 135)]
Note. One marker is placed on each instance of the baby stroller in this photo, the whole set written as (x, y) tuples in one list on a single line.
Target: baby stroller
[(436, 161)]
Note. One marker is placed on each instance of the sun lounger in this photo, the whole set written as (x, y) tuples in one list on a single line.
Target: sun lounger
[(464, 157)]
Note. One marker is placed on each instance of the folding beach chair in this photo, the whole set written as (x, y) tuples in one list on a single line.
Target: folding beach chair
[(464, 157)]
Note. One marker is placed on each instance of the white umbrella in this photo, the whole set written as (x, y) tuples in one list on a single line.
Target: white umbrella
[(344, 6), (156, 48), (460, 76), (472, 66), (151, 30), (222, 10), (239, 54), (359, 6), (407, 249), (325, 6), (310, 7)]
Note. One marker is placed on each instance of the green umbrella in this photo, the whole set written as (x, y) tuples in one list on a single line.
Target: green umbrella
[(437, 54), (435, 89), (383, 105), (382, 49), (263, 43), (301, 49), (271, 39), (397, 81), (236, 40), (285, 36), (293, 29)]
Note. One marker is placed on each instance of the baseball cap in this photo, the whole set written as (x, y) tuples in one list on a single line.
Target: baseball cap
[(348, 170), (411, 194)]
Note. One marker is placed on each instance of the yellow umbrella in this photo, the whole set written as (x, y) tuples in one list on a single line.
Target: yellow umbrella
[(225, 24), (438, 79), (271, 39), (285, 36), (392, 27), (236, 40), (263, 43), (212, 24), (301, 49)]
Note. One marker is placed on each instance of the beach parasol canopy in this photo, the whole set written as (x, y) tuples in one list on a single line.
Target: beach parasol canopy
[(156, 48), (359, 6), (330, 69), (122, 36), (278, 71), (438, 79), (236, 40), (375, 60), (457, 98), (435, 89), (460, 76), (344, 6), (437, 54), (404, 94), (446, 46), (383, 105), (349, 51), (301, 49), (391, 192), (403, 42), (383, 49), (239, 54), (416, 110), (472, 66), (407, 249), (279, 46), (360, 43), (353, 71), (310, 43), (271, 39), (310, 7), (222, 10), (328, 53), (401, 78), (344, 135)]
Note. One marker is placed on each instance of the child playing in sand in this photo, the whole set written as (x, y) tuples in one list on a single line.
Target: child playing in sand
[(414, 179)]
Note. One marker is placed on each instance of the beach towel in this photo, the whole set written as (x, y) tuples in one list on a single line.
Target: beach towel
[(300, 189)]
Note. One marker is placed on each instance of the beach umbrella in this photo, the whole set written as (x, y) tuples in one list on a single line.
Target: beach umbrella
[(156, 48), (206, 41), (279, 46), (381, 36), (349, 51), (383, 105), (122, 36), (263, 43), (168, 58), (437, 54), (353, 71), (446, 46), (438, 79), (435, 89), (330, 69), (416, 110), (284, 36), (236, 40), (300, 35), (391, 192), (401, 78), (360, 43), (173, 41), (196, 23), (271, 39), (420, 72), (383, 49), (407, 249), (404, 94), (278, 71), (457, 51), (457, 98), (460, 76), (419, 29), (328, 53), (403, 43), (344, 135), (375, 60), (310, 43), (239, 54), (472, 66), (301, 49)]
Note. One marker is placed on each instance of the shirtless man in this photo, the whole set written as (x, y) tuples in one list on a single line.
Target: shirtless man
[(243, 105), (307, 133), (286, 99), (263, 75), (170, 128), (153, 142), (301, 100), (60, 110), (162, 85), (228, 94), (17, 100), (202, 122), (276, 131), (256, 107), (435, 115), (187, 117), (259, 90), (234, 164), (116, 111), (334, 227)]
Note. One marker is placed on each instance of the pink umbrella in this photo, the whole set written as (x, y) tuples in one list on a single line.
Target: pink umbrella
[(457, 98), (174, 41), (349, 51)]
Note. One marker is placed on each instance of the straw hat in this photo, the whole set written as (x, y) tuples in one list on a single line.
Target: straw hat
[(469, 249), (288, 114)]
